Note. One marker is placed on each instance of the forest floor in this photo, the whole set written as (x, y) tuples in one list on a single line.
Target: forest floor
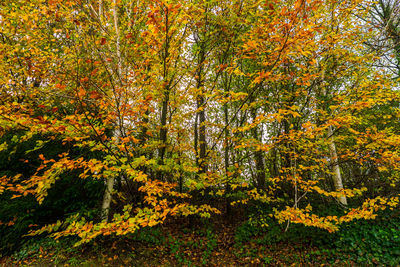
[(174, 245)]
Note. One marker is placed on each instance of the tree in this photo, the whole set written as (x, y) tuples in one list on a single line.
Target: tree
[(385, 21), (279, 94)]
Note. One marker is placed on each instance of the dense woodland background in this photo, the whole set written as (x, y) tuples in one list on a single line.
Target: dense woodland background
[(199, 132)]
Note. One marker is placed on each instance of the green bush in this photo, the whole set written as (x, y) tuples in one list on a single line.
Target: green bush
[(364, 242), (371, 242), (69, 194)]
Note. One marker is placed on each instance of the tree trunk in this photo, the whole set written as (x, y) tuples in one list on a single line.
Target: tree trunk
[(165, 103), (258, 156), (337, 177), (226, 160), (202, 164), (202, 136), (163, 129), (105, 207)]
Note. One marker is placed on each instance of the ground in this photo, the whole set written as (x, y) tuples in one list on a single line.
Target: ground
[(174, 245)]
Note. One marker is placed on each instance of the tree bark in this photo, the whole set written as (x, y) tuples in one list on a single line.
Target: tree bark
[(202, 164), (337, 177), (165, 103), (258, 156), (107, 198)]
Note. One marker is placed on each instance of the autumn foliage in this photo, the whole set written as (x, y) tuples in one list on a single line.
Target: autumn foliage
[(179, 106)]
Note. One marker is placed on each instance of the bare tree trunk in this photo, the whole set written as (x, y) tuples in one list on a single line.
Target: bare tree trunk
[(202, 136), (226, 159), (107, 198), (164, 106), (100, 14), (163, 129), (105, 207), (337, 177), (258, 157), (196, 138), (202, 164)]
